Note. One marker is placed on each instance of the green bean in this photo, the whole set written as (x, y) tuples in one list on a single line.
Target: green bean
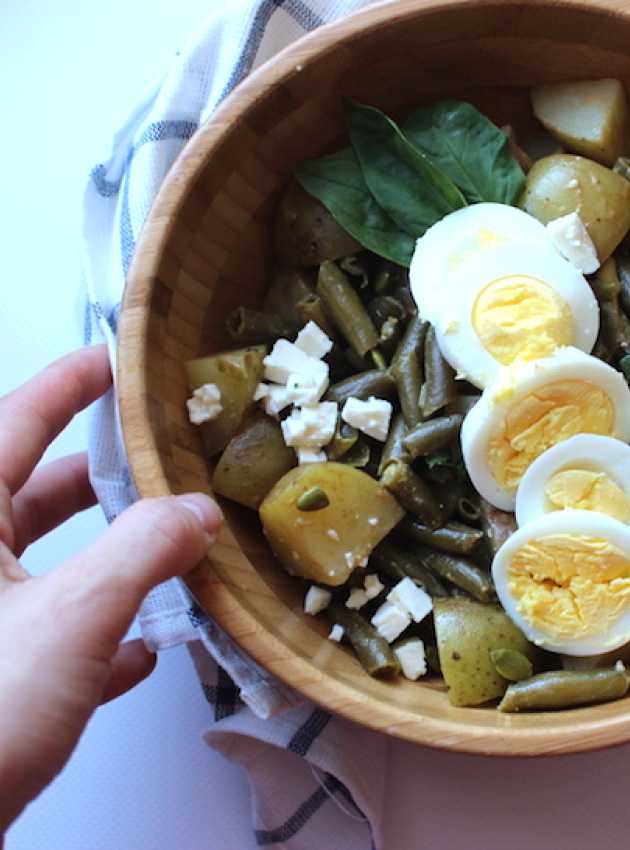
[(623, 270), (622, 166), (497, 526), (397, 563), (406, 369), (344, 438), (460, 572), (362, 385), (468, 509), (624, 365), (432, 435), (374, 653), (411, 491), (393, 448), (564, 689), (614, 334), (454, 537), (385, 307), (433, 659), (511, 664), (462, 404), (378, 359), (391, 333), (250, 327), (358, 456), (311, 309), (344, 306), (438, 388), (287, 289), (403, 294)]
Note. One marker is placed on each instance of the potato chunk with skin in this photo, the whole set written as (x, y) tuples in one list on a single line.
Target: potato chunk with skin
[(237, 374), (589, 117), (561, 184), (326, 545), (466, 633)]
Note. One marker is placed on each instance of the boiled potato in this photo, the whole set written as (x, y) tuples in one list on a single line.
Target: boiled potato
[(237, 374), (590, 118), (325, 545), (306, 234), (253, 461), (561, 184), (466, 633)]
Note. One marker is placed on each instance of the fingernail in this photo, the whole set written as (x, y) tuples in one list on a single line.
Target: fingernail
[(206, 510)]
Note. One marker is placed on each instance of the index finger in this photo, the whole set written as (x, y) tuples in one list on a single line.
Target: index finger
[(32, 415)]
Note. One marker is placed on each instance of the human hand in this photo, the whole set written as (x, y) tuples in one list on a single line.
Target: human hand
[(60, 635)]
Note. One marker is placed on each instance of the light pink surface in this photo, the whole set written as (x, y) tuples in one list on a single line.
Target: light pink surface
[(141, 777)]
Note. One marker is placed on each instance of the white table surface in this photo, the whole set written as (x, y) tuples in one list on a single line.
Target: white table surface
[(141, 777)]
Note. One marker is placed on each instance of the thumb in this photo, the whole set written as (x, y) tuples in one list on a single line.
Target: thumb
[(152, 541)]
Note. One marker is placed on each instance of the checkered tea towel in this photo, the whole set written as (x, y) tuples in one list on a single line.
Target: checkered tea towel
[(333, 798)]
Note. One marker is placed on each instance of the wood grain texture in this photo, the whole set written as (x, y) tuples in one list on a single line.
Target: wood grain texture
[(205, 249)]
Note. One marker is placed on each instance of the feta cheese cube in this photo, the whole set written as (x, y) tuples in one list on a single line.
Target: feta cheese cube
[(572, 240), (310, 456), (410, 654), (336, 633), (205, 404), (274, 398), (287, 359), (307, 389), (316, 600), (372, 586), (411, 599), (357, 598), (310, 427), (371, 416), (313, 341), (390, 621)]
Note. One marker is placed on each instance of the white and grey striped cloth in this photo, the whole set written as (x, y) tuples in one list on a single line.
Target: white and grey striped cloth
[(334, 796)]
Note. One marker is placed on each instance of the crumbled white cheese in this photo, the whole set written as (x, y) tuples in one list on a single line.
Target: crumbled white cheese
[(334, 535), (287, 359), (316, 600), (371, 416), (410, 654), (336, 633), (313, 341), (357, 598), (305, 456), (261, 392), (620, 666), (310, 427), (205, 404), (572, 240), (389, 621), (411, 599), (274, 398), (373, 586), (307, 388)]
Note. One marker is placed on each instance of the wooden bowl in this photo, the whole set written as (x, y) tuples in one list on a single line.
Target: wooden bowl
[(205, 249)]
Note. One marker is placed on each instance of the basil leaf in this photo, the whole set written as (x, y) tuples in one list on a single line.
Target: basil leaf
[(402, 180), (337, 181), (468, 147)]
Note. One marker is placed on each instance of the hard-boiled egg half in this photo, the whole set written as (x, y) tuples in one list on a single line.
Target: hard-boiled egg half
[(564, 579), (533, 406), (586, 472), (498, 292)]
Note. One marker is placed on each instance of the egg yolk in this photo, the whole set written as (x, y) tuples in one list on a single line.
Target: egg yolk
[(570, 585), (520, 318), (543, 418), (587, 490)]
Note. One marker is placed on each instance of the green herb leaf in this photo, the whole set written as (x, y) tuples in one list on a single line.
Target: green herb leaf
[(411, 190), (468, 147), (337, 181)]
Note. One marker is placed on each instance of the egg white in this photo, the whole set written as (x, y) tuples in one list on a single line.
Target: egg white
[(457, 237), (584, 451), (517, 381), (456, 335), (563, 522)]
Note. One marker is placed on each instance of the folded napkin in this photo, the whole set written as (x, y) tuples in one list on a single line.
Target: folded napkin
[(334, 797)]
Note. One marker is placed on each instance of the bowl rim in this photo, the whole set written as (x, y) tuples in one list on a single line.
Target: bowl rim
[(578, 735)]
